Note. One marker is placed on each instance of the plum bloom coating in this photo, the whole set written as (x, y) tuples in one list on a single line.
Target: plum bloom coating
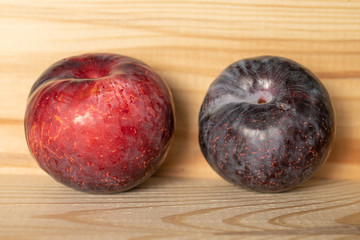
[(267, 124)]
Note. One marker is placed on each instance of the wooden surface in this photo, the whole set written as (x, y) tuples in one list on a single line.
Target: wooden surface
[(33, 207), (188, 43)]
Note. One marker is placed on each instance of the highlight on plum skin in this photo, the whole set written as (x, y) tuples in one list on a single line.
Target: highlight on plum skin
[(266, 124), (100, 123)]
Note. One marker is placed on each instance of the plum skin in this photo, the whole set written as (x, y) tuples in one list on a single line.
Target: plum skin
[(100, 123), (267, 124)]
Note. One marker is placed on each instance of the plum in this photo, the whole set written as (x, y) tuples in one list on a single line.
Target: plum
[(267, 124), (99, 122)]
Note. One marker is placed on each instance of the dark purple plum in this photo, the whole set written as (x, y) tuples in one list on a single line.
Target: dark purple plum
[(267, 124)]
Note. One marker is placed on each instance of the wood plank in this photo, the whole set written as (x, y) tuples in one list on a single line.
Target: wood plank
[(36, 207), (188, 43)]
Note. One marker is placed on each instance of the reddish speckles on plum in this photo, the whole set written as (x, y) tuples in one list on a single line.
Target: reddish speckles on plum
[(266, 124), (100, 135)]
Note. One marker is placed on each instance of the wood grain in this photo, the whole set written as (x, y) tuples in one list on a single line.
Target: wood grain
[(188, 42), (178, 208)]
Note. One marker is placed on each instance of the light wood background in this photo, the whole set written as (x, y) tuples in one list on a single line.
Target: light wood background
[(188, 42)]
